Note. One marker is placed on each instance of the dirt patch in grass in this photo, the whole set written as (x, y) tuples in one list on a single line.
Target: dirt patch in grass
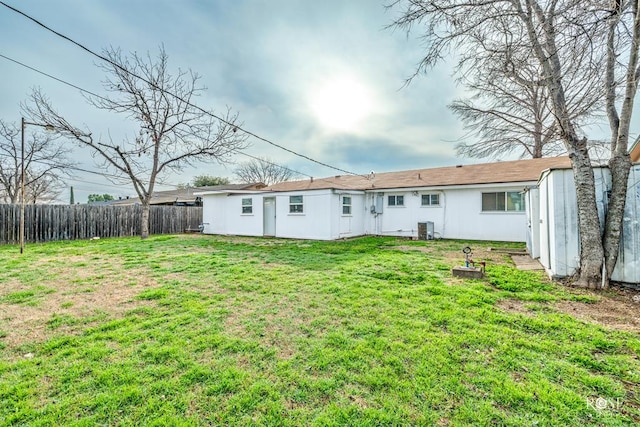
[(515, 306), (616, 309), (71, 298), (477, 254)]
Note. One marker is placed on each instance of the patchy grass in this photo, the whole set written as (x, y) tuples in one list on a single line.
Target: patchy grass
[(201, 330)]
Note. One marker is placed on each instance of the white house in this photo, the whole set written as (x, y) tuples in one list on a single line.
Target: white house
[(554, 236), (476, 202)]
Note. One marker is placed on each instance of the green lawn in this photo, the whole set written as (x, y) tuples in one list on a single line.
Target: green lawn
[(203, 330)]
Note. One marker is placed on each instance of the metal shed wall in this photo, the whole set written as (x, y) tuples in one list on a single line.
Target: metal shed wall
[(559, 233), (628, 267)]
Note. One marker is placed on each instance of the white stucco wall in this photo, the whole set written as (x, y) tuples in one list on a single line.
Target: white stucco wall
[(321, 219), (214, 211), (348, 225), (222, 214), (459, 215), (313, 223), (466, 220)]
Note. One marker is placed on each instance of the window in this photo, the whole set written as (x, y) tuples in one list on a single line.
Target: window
[(346, 205), (295, 204), (396, 201), (247, 205), (430, 200), (510, 201)]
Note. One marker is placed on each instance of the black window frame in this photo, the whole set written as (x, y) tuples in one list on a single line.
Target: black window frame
[(398, 200), (430, 198)]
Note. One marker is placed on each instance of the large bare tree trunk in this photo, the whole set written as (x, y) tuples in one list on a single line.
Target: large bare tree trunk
[(144, 226), (591, 251), (619, 165)]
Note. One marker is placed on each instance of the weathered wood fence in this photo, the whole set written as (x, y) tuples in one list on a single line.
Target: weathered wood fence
[(44, 223)]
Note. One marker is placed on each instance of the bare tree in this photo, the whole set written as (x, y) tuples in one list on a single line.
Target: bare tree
[(596, 41), (507, 115), (46, 162), (507, 119), (263, 170), (173, 131), (510, 110), (43, 190)]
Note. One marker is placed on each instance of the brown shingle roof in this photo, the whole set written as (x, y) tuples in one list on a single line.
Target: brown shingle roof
[(186, 195), (485, 173)]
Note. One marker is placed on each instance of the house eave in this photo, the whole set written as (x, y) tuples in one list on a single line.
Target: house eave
[(208, 193)]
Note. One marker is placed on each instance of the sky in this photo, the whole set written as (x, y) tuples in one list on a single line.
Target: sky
[(323, 78)]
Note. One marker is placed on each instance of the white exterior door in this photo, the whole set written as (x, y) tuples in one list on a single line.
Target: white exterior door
[(269, 215)]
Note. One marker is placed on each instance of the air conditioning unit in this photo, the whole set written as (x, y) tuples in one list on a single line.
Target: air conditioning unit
[(426, 230)]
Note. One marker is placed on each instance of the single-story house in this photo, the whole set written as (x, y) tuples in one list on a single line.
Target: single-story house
[(553, 219), (185, 196), (476, 202)]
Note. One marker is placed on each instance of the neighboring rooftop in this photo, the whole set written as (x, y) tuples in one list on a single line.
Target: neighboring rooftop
[(484, 173), (186, 196)]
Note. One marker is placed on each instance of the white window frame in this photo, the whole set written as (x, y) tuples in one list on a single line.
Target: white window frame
[(430, 199), (396, 198), (346, 204), (295, 205), (247, 209), (504, 194)]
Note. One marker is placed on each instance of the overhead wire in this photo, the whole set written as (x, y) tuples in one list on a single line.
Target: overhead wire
[(106, 99), (58, 79), (52, 77), (185, 101), (102, 174)]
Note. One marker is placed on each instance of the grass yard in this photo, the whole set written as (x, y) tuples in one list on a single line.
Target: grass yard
[(204, 330)]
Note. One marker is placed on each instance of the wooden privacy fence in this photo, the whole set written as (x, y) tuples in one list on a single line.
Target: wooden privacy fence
[(44, 223)]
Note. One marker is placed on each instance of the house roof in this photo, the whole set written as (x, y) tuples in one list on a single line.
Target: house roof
[(187, 195), (485, 173)]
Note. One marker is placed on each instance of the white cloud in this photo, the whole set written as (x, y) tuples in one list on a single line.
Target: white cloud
[(261, 58)]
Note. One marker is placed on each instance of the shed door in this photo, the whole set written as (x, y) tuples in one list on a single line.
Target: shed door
[(269, 215)]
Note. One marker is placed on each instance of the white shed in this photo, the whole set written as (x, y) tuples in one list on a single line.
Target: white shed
[(554, 236)]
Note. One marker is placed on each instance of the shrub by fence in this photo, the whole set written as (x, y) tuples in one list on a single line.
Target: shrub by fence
[(44, 223)]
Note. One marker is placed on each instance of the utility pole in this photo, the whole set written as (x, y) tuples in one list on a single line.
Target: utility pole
[(22, 123)]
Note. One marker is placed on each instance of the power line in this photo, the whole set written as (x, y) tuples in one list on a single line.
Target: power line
[(106, 99), (261, 159), (52, 77), (187, 102)]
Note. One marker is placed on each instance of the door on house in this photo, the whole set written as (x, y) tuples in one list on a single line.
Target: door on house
[(269, 216)]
